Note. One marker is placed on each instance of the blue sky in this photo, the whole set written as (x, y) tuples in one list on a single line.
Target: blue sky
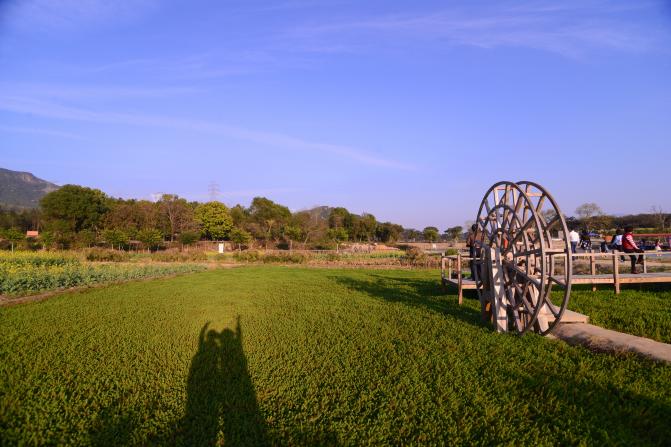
[(406, 110)]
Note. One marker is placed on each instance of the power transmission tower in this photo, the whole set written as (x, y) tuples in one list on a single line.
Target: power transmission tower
[(213, 190)]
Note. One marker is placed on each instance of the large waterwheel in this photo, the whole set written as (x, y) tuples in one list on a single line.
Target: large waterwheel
[(522, 247)]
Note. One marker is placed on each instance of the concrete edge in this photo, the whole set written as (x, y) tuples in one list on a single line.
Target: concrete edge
[(600, 339)]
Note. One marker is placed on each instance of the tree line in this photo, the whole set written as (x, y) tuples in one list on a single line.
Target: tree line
[(592, 217), (75, 216)]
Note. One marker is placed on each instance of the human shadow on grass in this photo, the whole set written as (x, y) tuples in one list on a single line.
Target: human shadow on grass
[(423, 293), (222, 406)]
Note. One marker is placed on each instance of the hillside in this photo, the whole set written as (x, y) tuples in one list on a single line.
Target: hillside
[(22, 189)]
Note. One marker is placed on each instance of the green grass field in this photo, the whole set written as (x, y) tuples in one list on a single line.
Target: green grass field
[(278, 355), (643, 310)]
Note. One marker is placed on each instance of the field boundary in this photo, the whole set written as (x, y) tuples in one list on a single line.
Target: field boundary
[(6, 301)]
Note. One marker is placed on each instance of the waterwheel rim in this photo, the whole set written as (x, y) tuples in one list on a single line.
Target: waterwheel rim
[(552, 219), (508, 222)]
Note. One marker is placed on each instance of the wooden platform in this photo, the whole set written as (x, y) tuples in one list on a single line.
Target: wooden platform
[(465, 283)]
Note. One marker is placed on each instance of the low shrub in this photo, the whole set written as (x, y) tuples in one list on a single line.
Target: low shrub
[(106, 255), (175, 256), (247, 256), (253, 256), (414, 256), (284, 258)]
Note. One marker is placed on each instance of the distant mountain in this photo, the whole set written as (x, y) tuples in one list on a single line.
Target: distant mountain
[(22, 189), (320, 212)]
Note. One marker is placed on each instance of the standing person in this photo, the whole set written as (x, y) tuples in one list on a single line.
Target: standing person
[(473, 244), (617, 242), (585, 241), (607, 239), (574, 237), (629, 246), (658, 248)]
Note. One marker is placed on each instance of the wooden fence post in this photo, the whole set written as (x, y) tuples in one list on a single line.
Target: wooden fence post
[(616, 273), (645, 263), (592, 269), (461, 294)]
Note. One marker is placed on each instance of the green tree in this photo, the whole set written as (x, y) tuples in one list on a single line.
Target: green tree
[(176, 214), (14, 236), (115, 237), (86, 238), (454, 233), (269, 216), (411, 235), (214, 219), (337, 235), (292, 233), (430, 234), (61, 231), (239, 215), (189, 237), (366, 226), (240, 237), (76, 206), (340, 218), (47, 239), (388, 232), (150, 237)]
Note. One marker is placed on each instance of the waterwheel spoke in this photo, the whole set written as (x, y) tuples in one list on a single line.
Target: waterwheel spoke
[(520, 232), (535, 251), (552, 222), (524, 274), (541, 202)]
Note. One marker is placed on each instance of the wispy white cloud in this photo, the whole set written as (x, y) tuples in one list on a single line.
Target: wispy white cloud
[(567, 28), (193, 67), (54, 110), (41, 131), (61, 15), (100, 91)]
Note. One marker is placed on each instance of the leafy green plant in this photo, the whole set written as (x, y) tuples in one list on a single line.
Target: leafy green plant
[(106, 255), (179, 256), (27, 278)]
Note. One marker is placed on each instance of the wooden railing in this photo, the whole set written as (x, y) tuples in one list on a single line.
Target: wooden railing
[(451, 270)]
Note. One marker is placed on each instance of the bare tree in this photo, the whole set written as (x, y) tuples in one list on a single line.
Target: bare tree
[(588, 213), (587, 210), (548, 214), (660, 216)]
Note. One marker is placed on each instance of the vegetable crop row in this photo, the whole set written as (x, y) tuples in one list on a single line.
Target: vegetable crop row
[(18, 280)]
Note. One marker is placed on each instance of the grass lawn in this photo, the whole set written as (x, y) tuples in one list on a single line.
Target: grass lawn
[(276, 355), (643, 310)]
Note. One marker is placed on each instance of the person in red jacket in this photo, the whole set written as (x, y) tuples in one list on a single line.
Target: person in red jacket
[(629, 246)]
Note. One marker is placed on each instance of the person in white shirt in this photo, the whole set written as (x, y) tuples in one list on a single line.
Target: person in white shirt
[(617, 242), (574, 238)]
